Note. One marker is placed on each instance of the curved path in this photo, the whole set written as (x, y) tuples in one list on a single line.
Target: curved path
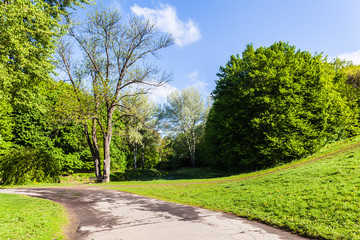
[(106, 214)]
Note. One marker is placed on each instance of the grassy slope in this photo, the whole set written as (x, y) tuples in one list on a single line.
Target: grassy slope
[(23, 217), (320, 199)]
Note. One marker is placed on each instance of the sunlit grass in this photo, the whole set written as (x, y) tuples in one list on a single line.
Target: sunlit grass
[(23, 217)]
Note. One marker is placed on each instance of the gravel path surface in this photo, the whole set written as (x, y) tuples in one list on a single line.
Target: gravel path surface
[(105, 214)]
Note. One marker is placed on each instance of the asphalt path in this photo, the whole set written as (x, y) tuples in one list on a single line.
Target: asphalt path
[(112, 215)]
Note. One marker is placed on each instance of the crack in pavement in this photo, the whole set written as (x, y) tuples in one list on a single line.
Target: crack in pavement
[(107, 214)]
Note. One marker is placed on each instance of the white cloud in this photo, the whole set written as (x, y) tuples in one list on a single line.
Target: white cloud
[(116, 5), (184, 33), (197, 81), (160, 94), (352, 56)]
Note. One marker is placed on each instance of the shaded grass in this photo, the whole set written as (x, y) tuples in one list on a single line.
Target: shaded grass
[(40, 185), (320, 199), (328, 150), (76, 178), (23, 217)]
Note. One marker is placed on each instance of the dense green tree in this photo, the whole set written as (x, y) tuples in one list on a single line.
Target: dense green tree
[(112, 70), (275, 104), (37, 130), (29, 31), (351, 88), (28, 36), (6, 123)]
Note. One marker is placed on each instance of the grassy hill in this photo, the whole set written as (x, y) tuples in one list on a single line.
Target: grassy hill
[(318, 196)]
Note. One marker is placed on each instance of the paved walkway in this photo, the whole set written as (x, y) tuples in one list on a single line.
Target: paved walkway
[(105, 214)]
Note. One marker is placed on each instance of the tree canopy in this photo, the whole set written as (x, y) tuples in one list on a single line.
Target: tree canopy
[(275, 104)]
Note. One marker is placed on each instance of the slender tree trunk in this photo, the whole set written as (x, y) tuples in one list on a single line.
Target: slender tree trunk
[(192, 156), (96, 152), (193, 152), (135, 154), (191, 146), (142, 157)]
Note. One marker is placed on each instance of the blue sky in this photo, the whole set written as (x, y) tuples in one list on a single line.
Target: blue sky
[(207, 33)]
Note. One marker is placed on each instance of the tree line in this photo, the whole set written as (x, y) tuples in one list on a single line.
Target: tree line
[(74, 98)]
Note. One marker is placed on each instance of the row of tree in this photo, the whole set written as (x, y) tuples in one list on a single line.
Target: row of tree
[(96, 115), (270, 106)]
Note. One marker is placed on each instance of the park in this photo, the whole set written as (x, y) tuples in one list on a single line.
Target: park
[(108, 132)]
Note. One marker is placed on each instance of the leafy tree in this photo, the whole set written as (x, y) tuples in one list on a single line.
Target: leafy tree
[(275, 104), (28, 35), (141, 132), (112, 69), (37, 131), (29, 31), (6, 123), (351, 88), (185, 113)]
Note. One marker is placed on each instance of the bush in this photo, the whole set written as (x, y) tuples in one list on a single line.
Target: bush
[(26, 165), (137, 174)]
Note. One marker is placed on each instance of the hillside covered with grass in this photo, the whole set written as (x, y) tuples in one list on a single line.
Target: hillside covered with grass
[(317, 197)]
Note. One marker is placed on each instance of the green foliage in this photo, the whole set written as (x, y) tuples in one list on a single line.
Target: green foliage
[(175, 153), (24, 217), (36, 130), (119, 152), (26, 165), (273, 105), (29, 139), (6, 123), (137, 174), (351, 88), (74, 155), (28, 35)]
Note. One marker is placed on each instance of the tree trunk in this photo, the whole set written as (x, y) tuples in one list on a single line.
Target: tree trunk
[(191, 145), (94, 149), (192, 156), (107, 134), (107, 140), (142, 157), (135, 154)]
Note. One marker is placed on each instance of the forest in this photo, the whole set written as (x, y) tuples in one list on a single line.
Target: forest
[(74, 98)]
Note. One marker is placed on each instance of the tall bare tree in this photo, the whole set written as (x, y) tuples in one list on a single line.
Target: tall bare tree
[(185, 113), (113, 68)]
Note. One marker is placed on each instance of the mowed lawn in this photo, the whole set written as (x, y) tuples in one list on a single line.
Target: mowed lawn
[(23, 217), (319, 199)]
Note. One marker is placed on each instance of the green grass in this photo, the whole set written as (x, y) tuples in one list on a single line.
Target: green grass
[(23, 217), (320, 199)]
